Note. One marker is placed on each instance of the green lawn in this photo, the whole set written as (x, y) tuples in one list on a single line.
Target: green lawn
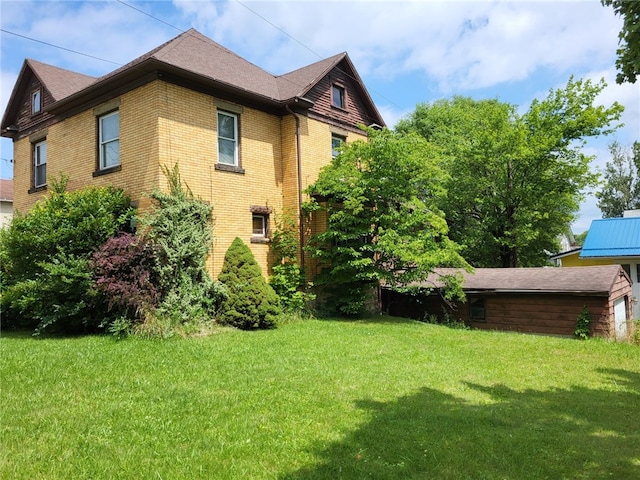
[(384, 399)]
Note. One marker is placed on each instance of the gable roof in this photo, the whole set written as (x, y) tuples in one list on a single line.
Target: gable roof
[(195, 59), (59, 82), (613, 237), (597, 280)]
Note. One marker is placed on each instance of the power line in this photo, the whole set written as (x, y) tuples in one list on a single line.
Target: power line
[(59, 47), (149, 15), (314, 52), (279, 29)]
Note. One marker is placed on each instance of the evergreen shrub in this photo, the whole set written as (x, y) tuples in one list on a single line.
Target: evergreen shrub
[(252, 303)]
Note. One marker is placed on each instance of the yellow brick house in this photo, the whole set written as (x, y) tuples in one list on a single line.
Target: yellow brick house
[(245, 140)]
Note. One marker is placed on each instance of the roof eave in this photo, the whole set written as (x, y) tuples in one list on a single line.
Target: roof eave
[(152, 68), (12, 108)]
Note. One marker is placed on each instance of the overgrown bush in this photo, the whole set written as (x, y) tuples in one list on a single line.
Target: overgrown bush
[(180, 227), (45, 255), (287, 278), (583, 324), (251, 303)]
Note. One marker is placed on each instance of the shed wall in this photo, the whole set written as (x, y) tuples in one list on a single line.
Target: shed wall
[(554, 314)]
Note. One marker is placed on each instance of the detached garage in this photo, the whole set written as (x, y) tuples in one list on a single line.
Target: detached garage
[(533, 300)]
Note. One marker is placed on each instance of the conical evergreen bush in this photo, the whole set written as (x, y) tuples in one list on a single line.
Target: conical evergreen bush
[(251, 303)]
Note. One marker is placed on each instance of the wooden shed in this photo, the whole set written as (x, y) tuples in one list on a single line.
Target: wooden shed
[(535, 300)]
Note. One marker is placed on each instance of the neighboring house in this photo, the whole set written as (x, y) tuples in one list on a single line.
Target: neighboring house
[(610, 241), (245, 140), (543, 300), (6, 201)]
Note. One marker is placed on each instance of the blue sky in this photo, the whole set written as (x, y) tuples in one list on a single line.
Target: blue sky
[(406, 52)]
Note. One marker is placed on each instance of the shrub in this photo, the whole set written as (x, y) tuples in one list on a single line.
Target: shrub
[(181, 231), (251, 303), (287, 278), (583, 324), (45, 253), (123, 268)]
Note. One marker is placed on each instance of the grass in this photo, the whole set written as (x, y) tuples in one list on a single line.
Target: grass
[(384, 399)]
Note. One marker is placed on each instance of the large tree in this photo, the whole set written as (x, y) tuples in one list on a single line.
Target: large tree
[(628, 61), (515, 180), (380, 200), (621, 190)]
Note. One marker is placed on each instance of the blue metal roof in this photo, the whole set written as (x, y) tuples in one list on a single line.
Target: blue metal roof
[(613, 237)]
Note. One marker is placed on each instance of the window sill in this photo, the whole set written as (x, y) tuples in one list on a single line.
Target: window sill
[(344, 110), (41, 188), (106, 171), (229, 168), (260, 240)]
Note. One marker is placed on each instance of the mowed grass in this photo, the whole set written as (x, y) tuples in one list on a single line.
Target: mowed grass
[(382, 399)]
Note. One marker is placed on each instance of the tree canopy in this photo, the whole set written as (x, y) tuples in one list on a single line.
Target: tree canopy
[(621, 190), (628, 61), (514, 181), (380, 199)]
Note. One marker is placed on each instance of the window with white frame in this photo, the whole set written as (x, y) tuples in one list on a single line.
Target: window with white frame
[(40, 164), (36, 102), (336, 141), (259, 225), (109, 134), (228, 138)]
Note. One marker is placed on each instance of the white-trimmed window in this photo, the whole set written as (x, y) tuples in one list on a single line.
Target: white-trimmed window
[(338, 96), (228, 138), (36, 102), (336, 141), (40, 164), (109, 127), (259, 225)]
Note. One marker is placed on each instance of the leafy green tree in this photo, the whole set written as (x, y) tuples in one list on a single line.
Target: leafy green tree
[(621, 190), (515, 180), (251, 302), (581, 237), (380, 200), (628, 61), (45, 254)]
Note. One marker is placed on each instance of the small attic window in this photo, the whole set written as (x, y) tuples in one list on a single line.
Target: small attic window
[(36, 102), (337, 96)]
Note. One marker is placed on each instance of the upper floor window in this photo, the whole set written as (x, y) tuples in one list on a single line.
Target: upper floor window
[(336, 141), (36, 102), (40, 164), (109, 126), (337, 96), (228, 138)]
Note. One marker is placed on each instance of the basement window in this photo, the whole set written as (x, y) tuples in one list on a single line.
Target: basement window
[(260, 224)]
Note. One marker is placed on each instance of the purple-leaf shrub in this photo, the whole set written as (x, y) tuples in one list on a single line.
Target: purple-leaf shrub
[(123, 272)]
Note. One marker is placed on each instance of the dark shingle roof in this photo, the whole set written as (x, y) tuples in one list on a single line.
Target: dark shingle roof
[(193, 52), (593, 279), (60, 82), (195, 58)]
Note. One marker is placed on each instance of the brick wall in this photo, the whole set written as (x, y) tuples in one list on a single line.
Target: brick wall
[(165, 124)]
